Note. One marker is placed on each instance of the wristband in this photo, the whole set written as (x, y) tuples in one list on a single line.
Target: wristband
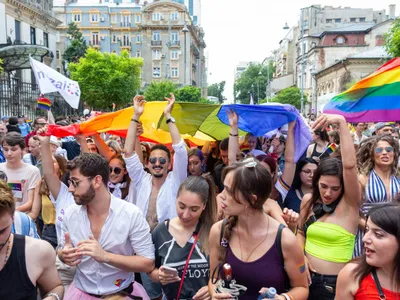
[(54, 295), (287, 296), (233, 134), (134, 120)]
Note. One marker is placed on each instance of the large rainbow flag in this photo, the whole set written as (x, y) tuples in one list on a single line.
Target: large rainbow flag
[(196, 122), (375, 98)]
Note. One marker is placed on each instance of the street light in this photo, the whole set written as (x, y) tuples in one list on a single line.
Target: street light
[(258, 87), (184, 30), (313, 74), (286, 26)]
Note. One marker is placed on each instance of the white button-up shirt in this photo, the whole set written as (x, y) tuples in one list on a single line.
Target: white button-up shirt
[(124, 232), (167, 195)]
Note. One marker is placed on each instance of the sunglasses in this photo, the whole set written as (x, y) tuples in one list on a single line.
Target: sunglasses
[(75, 183), (388, 149), (116, 170), (153, 160)]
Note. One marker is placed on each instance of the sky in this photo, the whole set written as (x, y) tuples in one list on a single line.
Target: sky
[(249, 30)]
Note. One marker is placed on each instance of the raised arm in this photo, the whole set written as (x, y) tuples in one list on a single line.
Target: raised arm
[(52, 180), (352, 190), (81, 140), (233, 147), (101, 145), (173, 130), (290, 166), (129, 148)]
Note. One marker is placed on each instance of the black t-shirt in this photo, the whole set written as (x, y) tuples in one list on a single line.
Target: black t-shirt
[(169, 253), (73, 149)]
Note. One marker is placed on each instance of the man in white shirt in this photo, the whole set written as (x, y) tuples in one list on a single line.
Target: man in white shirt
[(108, 238), (156, 192)]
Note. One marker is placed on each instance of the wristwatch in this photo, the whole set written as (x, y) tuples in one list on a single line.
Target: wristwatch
[(171, 119)]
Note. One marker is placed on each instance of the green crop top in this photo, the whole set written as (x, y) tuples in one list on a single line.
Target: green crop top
[(330, 242)]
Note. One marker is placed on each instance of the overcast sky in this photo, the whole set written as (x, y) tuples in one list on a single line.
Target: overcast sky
[(248, 30)]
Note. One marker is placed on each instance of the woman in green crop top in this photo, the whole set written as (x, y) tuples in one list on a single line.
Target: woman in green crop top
[(329, 215)]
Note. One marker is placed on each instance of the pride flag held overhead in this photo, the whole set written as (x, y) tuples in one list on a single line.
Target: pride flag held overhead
[(375, 98)]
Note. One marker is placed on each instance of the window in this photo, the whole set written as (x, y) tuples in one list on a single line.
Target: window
[(57, 37), (362, 20), (114, 19), (95, 38), (156, 72), (46, 39), (17, 30), (57, 54), (76, 18), (174, 72), (353, 19), (126, 40), (328, 21), (125, 20), (174, 16), (156, 36), (94, 16), (156, 17), (174, 54), (338, 20), (138, 19), (138, 53), (33, 35), (138, 40), (174, 36), (114, 38), (156, 54), (340, 40)]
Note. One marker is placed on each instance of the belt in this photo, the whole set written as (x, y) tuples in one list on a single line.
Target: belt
[(126, 292)]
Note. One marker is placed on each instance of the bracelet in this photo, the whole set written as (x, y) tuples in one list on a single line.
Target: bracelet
[(287, 296), (233, 134), (134, 120), (55, 295)]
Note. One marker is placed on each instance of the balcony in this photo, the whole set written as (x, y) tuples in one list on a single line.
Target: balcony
[(156, 43), (175, 43), (126, 24), (94, 44), (126, 45)]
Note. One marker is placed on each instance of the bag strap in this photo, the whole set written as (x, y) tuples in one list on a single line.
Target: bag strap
[(378, 285), (196, 238), (279, 241)]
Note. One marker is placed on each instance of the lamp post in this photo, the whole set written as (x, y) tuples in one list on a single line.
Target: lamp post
[(302, 62), (313, 74), (258, 87), (184, 30)]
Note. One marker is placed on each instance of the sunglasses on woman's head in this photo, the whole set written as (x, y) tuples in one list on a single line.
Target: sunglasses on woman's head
[(116, 170), (388, 149), (153, 160)]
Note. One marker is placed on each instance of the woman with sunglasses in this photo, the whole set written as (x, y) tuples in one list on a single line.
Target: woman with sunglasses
[(329, 215), (377, 165), (376, 274)]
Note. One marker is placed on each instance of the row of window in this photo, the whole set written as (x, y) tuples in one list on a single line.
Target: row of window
[(339, 20), (125, 18), (157, 72), (157, 36), (174, 16), (44, 41), (158, 55), (126, 37)]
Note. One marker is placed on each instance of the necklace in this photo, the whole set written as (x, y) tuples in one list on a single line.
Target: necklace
[(8, 252), (240, 244)]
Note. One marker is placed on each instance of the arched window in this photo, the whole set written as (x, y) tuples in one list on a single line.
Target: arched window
[(340, 40), (94, 16), (76, 16)]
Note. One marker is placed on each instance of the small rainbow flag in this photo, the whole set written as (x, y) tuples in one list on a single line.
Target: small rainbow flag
[(330, 149), (375, 98), (44, 103)]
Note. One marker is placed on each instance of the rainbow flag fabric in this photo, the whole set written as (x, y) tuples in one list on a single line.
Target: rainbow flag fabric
[(44, 103), (375, 98), (330, 149)]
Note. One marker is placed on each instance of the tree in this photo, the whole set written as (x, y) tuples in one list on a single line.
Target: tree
[(392, 39), (217, 90), (188, 94), (1, 68), (290, 95), (156, 91), (252, 81), (78, 47), (106, 78)]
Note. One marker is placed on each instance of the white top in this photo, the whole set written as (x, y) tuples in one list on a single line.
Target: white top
[(167, 195), (64, 200), (124, 232), (357, 140)]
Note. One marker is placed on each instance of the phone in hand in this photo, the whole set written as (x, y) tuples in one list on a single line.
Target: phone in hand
[(170, 270)]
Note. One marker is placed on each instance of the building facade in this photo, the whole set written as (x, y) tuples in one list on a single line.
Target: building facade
[(161, 32)]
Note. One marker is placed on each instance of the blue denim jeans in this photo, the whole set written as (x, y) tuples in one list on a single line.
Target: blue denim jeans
[(323, 287)]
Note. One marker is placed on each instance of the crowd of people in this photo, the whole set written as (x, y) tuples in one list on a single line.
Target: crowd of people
[(88, 217)]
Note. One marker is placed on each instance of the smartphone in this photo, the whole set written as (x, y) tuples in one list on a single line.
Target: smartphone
[(170, 270)]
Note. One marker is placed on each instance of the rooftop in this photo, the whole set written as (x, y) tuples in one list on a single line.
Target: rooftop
[(377, 52), (111, 3), (352, 27)]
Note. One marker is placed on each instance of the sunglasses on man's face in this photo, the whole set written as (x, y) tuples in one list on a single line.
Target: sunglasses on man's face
[(116, 170), (153, 160), (388, 149)]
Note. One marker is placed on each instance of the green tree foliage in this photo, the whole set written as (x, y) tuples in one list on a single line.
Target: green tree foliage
[(1, 68), (106, 78), (290, 95), (78, 47), (252, 81), (392, 39), (156, 91), (188, 94), (217, 90)]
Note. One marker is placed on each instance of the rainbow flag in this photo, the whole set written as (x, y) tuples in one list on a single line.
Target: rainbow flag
[(330, 149), (44, 103), (375, 98)]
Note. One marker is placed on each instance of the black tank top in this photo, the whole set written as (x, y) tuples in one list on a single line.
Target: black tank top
[(14, 280)]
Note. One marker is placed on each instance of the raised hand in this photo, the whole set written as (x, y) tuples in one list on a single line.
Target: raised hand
[(326, 119), (232, 117), (138, 103), (170, 105), (139, 130), (42, 135)]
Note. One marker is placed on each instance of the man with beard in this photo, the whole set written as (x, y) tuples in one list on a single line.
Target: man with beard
[(107, 237), (157, 190)]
